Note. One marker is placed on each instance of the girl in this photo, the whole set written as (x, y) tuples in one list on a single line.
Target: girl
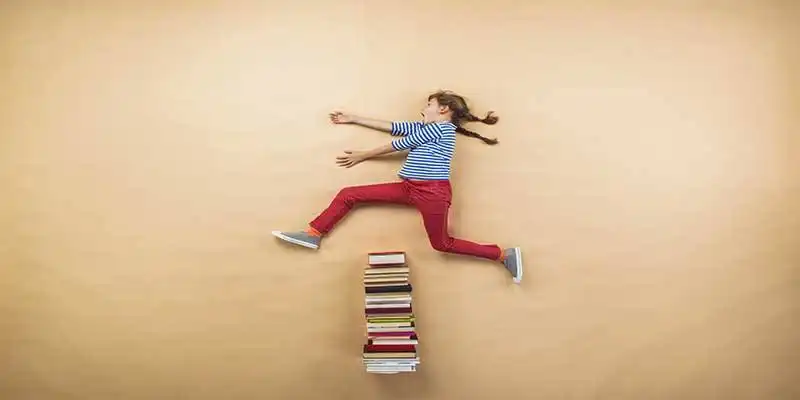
[(424, 178)]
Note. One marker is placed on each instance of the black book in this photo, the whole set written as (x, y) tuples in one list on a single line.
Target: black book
[(388, 289)]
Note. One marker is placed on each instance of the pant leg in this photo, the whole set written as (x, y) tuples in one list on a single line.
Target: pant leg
[(433, 202), (347, 198)]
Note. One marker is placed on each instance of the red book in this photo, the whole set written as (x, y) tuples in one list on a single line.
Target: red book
[(390, 348), (400, 332)]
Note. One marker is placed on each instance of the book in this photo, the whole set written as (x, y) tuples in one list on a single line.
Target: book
[(388, 289), (391, 334), (387, 259)]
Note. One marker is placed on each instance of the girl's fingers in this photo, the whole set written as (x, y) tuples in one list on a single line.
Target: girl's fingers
[(346, 160)]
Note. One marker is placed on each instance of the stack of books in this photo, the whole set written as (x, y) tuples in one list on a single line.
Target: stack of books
[(391, 332)]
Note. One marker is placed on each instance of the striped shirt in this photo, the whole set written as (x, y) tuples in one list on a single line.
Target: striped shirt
[(431, 147)]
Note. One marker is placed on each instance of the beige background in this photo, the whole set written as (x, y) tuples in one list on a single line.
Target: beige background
[(647, 164)]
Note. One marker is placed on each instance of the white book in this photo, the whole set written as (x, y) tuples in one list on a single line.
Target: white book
[(389, 363), (393, 326), (390, 370), (389, 305), (390, 258), (387, 298), (402, 296), (374, 329), (388, 301), (377, 341), (375, 304)]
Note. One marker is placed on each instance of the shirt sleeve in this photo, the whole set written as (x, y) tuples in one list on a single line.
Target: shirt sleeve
[(403, 128), (426, 133)]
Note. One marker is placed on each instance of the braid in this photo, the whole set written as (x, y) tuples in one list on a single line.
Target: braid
[(470, 117), (490, 118), (470, 133)]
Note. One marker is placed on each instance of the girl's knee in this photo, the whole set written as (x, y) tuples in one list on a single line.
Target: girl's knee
[(345, 191), (346, 194), (441, 244)]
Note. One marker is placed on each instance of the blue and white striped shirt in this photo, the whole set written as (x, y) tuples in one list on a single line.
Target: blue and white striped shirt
[(431, 147)]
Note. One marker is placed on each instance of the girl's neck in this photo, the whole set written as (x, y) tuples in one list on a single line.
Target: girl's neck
[(439, 120)]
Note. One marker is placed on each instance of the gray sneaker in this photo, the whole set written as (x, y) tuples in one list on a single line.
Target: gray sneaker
[(300, 238), (513, 262)]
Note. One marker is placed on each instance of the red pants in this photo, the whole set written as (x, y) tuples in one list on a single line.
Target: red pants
[(431, 198)]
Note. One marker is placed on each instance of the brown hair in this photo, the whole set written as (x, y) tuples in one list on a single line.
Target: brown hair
[(462, 114)]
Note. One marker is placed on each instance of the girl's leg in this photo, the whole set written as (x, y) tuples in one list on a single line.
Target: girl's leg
[(435, 217), (347, 198), (344, 201)]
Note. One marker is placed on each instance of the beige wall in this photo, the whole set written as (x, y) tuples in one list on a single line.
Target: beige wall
[(647, 164)]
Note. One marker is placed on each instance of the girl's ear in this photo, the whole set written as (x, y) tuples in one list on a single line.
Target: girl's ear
[(443, 109)]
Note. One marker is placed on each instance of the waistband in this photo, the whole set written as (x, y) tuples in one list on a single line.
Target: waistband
[(436, 182)]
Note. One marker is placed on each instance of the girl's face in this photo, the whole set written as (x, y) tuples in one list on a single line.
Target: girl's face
[(433, 111)]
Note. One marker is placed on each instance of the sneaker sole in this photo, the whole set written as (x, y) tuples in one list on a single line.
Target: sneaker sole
[(518, 254), (295, 241)]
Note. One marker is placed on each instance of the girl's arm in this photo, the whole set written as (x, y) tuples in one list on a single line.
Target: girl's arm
[(338, 117), (395, 128), (378, 151), (352, 158), (377, 124), (429, 133)]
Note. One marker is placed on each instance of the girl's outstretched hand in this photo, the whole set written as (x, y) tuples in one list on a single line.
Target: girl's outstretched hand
[(338, 117), (351, 158)]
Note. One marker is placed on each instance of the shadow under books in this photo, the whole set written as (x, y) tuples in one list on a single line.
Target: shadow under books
[(408, 385)]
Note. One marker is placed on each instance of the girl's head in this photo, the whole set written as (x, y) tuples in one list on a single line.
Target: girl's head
[(448, 106)]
